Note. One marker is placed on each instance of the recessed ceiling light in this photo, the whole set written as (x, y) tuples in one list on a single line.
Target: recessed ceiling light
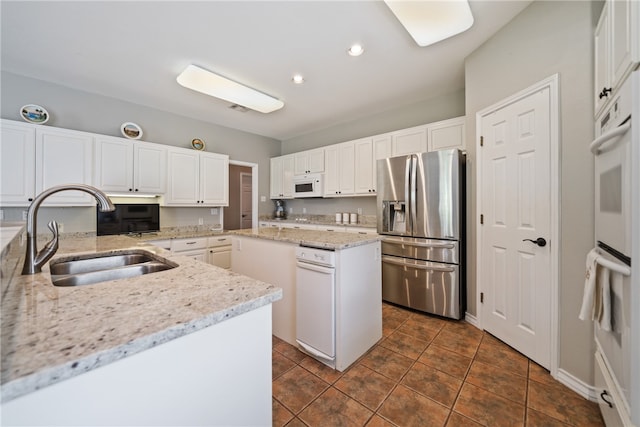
[(355, 50), (429, 22), (297, 79), (212, 84)]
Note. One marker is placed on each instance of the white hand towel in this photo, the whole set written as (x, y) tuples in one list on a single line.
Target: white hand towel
[(604, 288), (587, 312)]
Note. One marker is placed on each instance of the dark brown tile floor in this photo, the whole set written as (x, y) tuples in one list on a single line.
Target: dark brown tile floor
[(425, 371)]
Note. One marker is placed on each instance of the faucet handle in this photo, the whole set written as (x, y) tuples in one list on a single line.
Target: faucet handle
[(50, 247), (53, 226)]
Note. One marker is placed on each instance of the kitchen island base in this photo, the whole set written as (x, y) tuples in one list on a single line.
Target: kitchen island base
[(220, 375)]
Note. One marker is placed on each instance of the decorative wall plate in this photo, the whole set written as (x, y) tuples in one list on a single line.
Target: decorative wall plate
[(197, 144), (34, 114), (131, 130)]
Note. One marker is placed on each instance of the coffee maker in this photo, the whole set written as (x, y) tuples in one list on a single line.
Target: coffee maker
[(281, 211)]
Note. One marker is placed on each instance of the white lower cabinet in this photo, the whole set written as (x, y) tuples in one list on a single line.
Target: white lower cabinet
[(197, 179), (212, 250), (219, 249), (195, 248)]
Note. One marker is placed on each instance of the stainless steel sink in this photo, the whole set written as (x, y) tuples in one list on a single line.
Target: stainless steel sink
[(102, 267)]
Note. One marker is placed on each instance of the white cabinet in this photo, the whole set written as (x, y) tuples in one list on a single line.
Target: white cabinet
[(124, 166), (617, 48), (197, 178), (408, 141), (446, 134), (310, 161), (195, 248), (339, 170), (282, 177), (219, 249), (64, 157), (364, 166), (17, 161)]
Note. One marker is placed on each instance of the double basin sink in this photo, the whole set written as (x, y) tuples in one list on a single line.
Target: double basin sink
[(101, 267)]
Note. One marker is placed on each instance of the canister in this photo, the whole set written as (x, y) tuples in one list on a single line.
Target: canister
[(338, 217), (353, 218), (345, 217)]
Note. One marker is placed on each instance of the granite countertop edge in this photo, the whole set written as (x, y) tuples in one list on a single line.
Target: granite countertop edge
[(311, 238), (55, 374)]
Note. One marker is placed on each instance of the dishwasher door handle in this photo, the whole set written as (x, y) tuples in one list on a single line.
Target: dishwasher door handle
[(315, 267)]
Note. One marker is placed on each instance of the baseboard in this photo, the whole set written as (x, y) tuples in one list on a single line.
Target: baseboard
[(471, 319), (583, 389)]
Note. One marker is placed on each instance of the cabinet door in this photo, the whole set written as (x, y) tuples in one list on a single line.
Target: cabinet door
[(64, 157), (331, 177), (446, 134), (346, 168), (381, 150), (276, 178), (301, 163), (149, 166), (183, 181), (287, 177), (602, 62), (18, 162), (364, 166), (408, 141), (310, 161), (316, 160), (214, 179), (114, 164)]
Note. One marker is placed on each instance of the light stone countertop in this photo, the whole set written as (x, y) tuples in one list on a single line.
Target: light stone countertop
[(313, 238), (52, 333)]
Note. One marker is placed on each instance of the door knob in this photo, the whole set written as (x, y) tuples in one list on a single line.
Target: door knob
[(539, 241)]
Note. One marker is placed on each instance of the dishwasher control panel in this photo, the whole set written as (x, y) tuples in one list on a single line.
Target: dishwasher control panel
[(316, 256)]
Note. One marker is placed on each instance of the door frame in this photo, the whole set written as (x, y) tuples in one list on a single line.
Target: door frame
[(254, 189), (552, 83)]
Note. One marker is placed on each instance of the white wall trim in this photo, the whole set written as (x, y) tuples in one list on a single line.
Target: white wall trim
[(583, 389), (254, 189), (552, 82), (472, 320)]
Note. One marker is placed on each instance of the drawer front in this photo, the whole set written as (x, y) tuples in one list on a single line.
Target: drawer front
[(423, 285), (219, 241), (608, 398), (179, 245), (425, 249)]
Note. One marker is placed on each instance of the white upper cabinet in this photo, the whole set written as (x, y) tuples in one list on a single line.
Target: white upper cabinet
[(339, 170), (282, 177), (617, 48), (310, 161), (64, 156), (364, 166), (17, 162), (124, 166), (446, 134), (408, 141), (197, 178)]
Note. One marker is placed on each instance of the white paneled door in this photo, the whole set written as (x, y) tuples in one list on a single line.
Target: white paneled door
[(515, 274)]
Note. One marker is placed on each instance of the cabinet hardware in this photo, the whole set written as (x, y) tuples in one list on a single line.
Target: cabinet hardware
[(605, 92), (482, 297), (602, 396)]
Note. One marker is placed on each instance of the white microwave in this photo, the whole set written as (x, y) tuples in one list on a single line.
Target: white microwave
[(309, 185)]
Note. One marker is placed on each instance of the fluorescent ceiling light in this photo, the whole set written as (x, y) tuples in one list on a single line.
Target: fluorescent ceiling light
[(429, 22), (212, 84)]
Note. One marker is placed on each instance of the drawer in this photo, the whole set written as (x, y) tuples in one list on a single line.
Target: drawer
[(219, 241), (180, 245), (164, 244), (611, 408)]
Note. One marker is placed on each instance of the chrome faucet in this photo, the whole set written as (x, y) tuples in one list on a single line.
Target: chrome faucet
[(34, 260)]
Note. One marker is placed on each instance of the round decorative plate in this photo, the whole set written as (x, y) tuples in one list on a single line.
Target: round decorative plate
[(131, 130), (34, 114), (197, 144)]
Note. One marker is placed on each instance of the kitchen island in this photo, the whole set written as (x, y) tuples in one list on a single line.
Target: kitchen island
[(186, 346), (269, 254)]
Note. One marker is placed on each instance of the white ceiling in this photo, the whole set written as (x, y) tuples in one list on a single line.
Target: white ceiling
[(135, 50)]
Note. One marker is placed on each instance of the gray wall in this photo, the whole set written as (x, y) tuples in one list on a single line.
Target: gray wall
[(547, 38), (433, 110), (73, 109)]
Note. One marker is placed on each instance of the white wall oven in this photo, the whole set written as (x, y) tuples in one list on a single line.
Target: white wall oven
[(613, 194)]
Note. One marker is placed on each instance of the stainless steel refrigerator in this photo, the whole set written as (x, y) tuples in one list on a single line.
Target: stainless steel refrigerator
[(421, 213)]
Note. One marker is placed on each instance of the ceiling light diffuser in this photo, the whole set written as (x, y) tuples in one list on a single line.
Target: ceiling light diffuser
[(297, 79), (201, 80), (429, 22)]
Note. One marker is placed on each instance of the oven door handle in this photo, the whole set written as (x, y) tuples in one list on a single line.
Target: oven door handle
[(432, 267), (613, 133)]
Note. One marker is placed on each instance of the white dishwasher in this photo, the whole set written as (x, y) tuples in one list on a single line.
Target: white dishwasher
[(316, 303)]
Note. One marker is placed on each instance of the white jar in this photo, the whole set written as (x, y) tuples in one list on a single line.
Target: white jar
[(345, 217), (353, 218), (338, 218)]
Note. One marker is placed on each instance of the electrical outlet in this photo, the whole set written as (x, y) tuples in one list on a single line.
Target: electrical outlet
[(61, 227), (290, 210), (200, 221), (359, 211), (214, 211), (1, 214), (304, 210), (24, 215), (263, 198)]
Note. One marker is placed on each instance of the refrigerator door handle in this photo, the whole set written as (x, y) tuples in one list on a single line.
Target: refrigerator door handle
[(432, 267), (413, 189), (407, 192), (422, 245)]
